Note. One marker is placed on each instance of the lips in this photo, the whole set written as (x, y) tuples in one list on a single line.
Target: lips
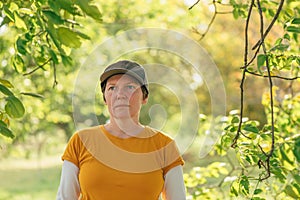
[(121, 106)]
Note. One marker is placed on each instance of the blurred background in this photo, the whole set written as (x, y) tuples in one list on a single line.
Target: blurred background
[(30, 163)]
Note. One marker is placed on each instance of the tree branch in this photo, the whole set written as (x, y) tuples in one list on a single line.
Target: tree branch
[(194, 4), (269, 155), (279, 77), (270, 26), (234, 143), (54, 75), (211, 21), (38, 67)]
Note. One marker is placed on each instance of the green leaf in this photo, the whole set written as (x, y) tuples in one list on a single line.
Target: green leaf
[(33, 95), (235, 119), (287, 36), (14, 107), (21, 45), (53, 17), (235, 13), (53, 56), (67, 5), (5, 21), (278, 41), (68, 37), (291, 192), (261, 59), (251, 128), (5, 90), (19, 21), (18, 63), (6, 83), (5, 131), (67, 60), (90, 10), (52, 32), (2, 123), (257, 198), (8, 13), (296, 150), (281, 47), (296, 21), (278, 172), (26, 11), (257, 191), (234, 189), (245, 185), (233, 129), (297, 178), (82, 35), (293, 29), (285, 157)]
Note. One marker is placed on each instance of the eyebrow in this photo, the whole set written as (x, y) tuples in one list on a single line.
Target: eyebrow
[(126, 83)]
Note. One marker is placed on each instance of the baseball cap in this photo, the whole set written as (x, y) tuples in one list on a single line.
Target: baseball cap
[(128, 67)]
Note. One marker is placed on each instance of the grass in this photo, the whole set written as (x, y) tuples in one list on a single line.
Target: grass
[(20, 182)]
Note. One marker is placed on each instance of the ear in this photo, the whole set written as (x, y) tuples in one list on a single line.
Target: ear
[(145, 100), (104, 99)]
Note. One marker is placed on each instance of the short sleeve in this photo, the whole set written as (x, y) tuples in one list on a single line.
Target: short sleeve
[(172, 156), (72, 150)]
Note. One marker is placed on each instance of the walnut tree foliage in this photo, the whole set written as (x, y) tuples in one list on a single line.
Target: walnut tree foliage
[(47, 31), (257, 161), (264, 159)]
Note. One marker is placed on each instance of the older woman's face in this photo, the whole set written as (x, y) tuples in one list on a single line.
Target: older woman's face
[(124, 97)]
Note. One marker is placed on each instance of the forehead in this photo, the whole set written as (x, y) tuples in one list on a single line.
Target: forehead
[(121, 78)]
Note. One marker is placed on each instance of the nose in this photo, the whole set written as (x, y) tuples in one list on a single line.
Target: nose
[(121, 94)]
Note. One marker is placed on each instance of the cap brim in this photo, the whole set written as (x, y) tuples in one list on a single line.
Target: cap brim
[(113, 72)]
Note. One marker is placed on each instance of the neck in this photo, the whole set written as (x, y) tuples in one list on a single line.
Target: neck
[(124, 128)]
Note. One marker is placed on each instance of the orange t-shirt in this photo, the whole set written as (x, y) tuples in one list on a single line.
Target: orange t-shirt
[(112, 168)]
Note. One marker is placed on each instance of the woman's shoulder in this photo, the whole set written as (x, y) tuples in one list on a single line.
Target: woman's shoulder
[(158, 133), (89, 130)]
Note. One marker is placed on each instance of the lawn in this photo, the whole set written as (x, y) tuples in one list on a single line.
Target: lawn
[(18, 181)]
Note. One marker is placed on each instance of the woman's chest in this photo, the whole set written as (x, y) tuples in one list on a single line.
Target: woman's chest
[(97, 178)]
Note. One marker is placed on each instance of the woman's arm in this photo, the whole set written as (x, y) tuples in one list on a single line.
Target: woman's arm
[(174, 188), (69, 188)]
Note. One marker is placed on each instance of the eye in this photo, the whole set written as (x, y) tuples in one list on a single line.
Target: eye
[(131, 87), (111, 88)]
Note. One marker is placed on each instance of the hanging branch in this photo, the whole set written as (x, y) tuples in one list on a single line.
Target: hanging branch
[(194, 4), (216, 12), (273, 76), (270, 26), (234, 143), (54, 76), (38, 67), (268, 155), (246, 63), (258, 44)]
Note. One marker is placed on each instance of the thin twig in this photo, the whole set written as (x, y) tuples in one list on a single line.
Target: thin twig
[(273, 76), (269, 155), (210, 23), (234, 143), (38, 67), (252, 59), (216, 12), (194, 4), (258, 44), (270, 26), (54, 75)]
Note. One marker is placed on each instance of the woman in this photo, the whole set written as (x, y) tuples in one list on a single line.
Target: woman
[(122, 159)]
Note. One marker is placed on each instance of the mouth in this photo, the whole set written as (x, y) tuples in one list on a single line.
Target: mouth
[(122, 106)]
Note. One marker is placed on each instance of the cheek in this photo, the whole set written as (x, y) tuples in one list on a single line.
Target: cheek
[(107, 98), (136, 96)]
